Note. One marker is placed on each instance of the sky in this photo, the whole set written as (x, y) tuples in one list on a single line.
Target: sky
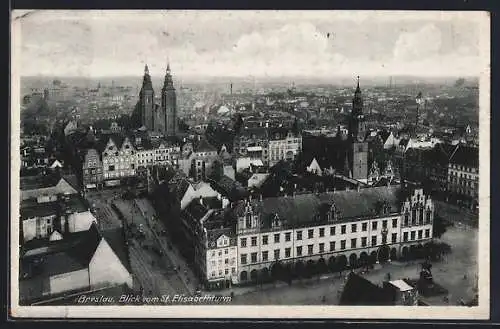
[(250, 43)]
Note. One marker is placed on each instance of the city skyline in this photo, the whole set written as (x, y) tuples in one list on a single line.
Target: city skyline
[(217, 43)]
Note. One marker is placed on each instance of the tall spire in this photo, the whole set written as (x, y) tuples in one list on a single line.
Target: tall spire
[(146, 82), (168, 66), (168, 83), (357, 87)]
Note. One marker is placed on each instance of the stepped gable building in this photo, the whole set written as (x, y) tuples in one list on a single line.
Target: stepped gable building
[(345, 154), (160, 118)]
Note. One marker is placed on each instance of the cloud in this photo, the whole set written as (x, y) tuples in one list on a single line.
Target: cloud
[(423, 43), (205, 45)]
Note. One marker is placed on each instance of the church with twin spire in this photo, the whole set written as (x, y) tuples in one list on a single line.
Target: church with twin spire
[(159, 118)]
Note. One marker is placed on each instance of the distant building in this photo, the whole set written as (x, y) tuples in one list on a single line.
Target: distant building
[(48, 188), (64, 215), (463, 175)]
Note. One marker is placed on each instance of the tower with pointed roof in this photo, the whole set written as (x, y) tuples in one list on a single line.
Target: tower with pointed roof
[(146, 96), (358, 157), (169, 104)]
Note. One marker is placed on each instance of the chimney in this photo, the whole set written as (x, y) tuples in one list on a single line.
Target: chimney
[(260, 197)]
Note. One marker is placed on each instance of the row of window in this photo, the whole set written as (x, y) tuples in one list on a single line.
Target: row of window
[(226, 272), (300, 250), (118, 174), (463, 168), (321, 232), (227, 261)]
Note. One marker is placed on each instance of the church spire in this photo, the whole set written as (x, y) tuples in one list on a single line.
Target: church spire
[(146, 82), (168, 83)]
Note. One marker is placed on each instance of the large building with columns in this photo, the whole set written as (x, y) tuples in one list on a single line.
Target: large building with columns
[(332, 229)]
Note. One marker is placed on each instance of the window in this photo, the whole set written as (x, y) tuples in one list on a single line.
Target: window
[(363, 241), (342, 229), (276, 254), (332, 246), (428, 217), (310, 249), (288, 252), (310, 234), (299, 251), (277, 238), (374, 225), (384, 239), (405, 236), (111, 168), (243, 242), (321, 232), (384, 224), (226, 261), (394, 222), (220, 272), (407, 219), (299, 235), (354, 228), (288, 236), (220, 253), (226, 251), (374, 240), (353, 243), (321, 247), (412, 235), (264, 239), (342, 245), (364, 227), (420, 234), (414, 217), (213, 273), (394, 237), (226, 271), (332, 230), (254, 257), (427, 233), (243, 259), (265, 254)]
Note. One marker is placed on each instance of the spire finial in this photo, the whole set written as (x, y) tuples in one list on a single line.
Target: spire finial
[(358, 81), (146, 69), (168, 64)]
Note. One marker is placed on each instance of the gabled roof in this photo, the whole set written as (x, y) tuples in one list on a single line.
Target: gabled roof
[(360, 291), (304, 208), (465, 156), (72, 253), (204, 146)]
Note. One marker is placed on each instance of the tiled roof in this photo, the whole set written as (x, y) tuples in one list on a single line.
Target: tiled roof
[(204, 146), (360, 291), (72, 253), (465, 156), (304, 208)]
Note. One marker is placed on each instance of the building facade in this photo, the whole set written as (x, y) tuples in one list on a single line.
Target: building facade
[(119, 161), (463, 175), (92, 170), (338, 229)]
